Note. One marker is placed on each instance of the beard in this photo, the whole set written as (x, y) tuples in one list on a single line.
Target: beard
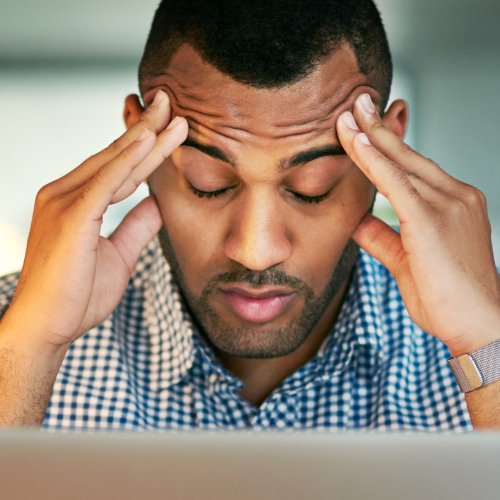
[(263, 341)]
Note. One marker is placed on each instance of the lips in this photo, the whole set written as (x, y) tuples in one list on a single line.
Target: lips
[(257, 308)]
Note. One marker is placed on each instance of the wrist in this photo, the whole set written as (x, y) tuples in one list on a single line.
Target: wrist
[(29, 341), (471, 343), (28, 370), (468, 345), (481, 333)]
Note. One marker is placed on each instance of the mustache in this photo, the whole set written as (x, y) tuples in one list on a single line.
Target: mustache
[(256, 278)]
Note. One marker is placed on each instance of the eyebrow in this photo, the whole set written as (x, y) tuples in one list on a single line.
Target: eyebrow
[(212, 151), (283, 164), (312, 154)]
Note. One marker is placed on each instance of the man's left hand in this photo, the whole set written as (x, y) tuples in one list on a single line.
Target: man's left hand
[(442, 259)]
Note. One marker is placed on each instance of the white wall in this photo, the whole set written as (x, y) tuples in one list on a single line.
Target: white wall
[(51, 121)]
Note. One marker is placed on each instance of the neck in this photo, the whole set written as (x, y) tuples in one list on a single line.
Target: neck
[(261, 377)]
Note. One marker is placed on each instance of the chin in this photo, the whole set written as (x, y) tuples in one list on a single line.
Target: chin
[(262, 343)]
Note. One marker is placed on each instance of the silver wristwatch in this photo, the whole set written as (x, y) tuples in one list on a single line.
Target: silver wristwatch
[(478, 368)]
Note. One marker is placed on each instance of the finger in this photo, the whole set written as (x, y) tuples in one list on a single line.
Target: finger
[(155, 118), (391, 181), (436, 193), (136, 230), (95, 195), (393, 148), (166, 143), (381, 242)]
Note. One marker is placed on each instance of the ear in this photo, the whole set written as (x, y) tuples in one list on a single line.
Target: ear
[(133, 110), (396, 118)]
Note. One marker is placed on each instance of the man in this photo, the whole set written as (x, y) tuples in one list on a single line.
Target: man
[(266, 315)]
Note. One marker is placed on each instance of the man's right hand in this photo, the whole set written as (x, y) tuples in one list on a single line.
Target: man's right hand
[(73, 278)]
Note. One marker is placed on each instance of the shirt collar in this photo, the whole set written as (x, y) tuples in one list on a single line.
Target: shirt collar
[(166, 352), (173, 338), (362, 306)]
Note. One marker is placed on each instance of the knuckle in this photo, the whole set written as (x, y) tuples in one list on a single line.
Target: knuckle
[(375, 125), (85, 192), (115, 147), (45, 194), (137, 183), (126, 160), (414, 193), (457, 208), (474, 197), (101, 175), (403, 149), (469, 196), (134, 183), (401, 177)]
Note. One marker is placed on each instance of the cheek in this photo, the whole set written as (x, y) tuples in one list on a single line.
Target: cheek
[(320, 240), (196, 235)]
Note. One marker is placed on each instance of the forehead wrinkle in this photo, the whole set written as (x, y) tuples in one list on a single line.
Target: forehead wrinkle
[(192, 97), (244, 132), (176, 101), (205, 113), (196, 126), (328, 114)]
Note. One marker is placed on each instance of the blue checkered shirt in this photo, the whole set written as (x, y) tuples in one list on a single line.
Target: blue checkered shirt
[(147, 367)]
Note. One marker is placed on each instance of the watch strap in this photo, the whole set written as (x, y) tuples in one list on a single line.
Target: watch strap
[(478, 368)]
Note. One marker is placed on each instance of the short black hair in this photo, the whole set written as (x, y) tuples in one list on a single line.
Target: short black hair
[(269, 43)]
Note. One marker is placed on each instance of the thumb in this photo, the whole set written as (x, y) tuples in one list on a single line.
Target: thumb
[(136, 230), (380, 241)]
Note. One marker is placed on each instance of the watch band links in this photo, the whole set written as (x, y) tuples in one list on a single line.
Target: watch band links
[(478, 368)]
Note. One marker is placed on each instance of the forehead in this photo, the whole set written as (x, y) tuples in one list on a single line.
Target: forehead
[(214, 101)]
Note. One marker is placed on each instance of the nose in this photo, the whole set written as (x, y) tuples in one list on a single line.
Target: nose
[(258, 237)]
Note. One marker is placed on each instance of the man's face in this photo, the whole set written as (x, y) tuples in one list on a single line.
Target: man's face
[(260, 202)]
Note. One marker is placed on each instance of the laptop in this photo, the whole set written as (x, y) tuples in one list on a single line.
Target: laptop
[(248, 465)]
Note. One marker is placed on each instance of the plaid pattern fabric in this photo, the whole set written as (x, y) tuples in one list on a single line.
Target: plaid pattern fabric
[(146, 367)]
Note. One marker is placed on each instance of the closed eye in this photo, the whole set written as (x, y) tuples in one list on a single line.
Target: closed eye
[(310, 199), (298, 196), (208, 194)]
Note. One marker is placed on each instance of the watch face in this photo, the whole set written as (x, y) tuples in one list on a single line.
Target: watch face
[(471, 371)]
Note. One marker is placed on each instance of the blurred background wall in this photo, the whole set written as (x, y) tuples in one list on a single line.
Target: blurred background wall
[(65, 68)]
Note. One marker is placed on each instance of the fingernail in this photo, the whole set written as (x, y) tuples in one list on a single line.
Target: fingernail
[(367, 103), (364, 139), (145, 133), (350, 121), (160, 95), (174, 123)]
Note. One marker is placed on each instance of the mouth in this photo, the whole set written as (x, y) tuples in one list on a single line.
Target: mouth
[(257, 305)]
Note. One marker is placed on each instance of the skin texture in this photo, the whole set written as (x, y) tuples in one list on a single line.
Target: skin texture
[(258, 233), (72, 278)]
